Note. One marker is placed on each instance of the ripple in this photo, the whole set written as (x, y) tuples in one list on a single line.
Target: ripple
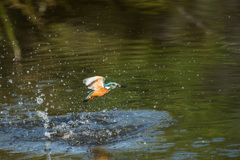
[(198, 144), (219, 139), (183, 155)]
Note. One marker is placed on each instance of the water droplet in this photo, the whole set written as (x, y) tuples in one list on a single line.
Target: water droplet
[(10, 81), (43, 115), (39, 100)]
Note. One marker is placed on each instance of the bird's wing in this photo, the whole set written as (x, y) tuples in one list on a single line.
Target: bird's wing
[(94, 83)]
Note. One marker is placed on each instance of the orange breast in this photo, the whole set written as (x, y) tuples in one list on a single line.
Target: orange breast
[(99, 92)]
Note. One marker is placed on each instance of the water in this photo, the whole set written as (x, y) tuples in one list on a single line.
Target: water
[(84, 130), (179, 60)]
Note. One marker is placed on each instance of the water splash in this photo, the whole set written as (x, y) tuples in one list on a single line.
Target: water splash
[(44, 115), (78, 131)]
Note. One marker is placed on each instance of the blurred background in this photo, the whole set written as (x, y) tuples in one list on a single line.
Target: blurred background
[(177, 56)]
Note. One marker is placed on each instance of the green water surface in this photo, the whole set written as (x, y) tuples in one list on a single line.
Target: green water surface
[(178, 56)]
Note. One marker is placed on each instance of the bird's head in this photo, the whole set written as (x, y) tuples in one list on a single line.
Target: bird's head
[(113, 85)]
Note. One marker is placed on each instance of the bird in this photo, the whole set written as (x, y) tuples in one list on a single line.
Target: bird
[(98, 86)]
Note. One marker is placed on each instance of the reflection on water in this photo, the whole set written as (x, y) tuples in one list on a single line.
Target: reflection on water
[(176, 58)]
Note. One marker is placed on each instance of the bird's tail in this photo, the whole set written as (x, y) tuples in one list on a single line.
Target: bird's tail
[(85, 100), (88, 97)]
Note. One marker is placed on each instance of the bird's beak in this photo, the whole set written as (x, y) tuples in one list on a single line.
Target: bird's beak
[(122, 86)]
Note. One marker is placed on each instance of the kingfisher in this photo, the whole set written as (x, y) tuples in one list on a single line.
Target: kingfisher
[(99, 87)]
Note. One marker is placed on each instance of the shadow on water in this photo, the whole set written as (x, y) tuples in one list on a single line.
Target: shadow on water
[(79, 132)]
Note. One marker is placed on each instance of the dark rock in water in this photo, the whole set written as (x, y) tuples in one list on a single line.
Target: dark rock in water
[(83, 129)]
